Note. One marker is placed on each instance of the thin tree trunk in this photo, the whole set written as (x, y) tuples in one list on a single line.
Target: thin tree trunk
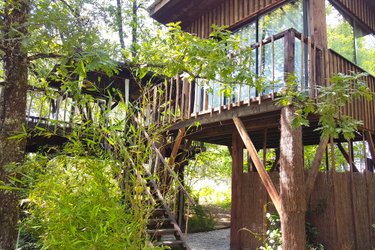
[(292, 186), (120, 24), (135, 28), (12, 113)]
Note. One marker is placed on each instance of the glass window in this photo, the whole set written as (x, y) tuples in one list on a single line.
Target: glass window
[(340, 33), (365, 50), (348, 39), (290, 15), (287, 16), (283, 18)]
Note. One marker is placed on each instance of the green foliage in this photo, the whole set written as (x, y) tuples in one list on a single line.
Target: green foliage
[(331, 99), (220, 58), (215, 162), (273, 240), (77, 204), (274, 237), (200, 221), (89, 194)]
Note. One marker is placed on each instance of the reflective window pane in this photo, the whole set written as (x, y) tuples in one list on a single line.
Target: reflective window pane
[(365, 48), (340, 33)]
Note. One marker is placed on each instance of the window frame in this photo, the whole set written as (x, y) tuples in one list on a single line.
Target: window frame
[(356, 24)]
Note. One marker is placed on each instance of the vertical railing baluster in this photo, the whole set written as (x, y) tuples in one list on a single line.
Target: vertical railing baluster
[(212, 98), (273, 65), (221, 97), (302, 61), (239, 95), (205, 97), (314, 70), (177, 96), (170, 102), (183, 98), (196, 98), (259, 94), (189, 104), (309, 67)]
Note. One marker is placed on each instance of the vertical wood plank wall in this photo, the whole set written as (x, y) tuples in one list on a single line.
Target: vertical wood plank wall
[(235, 12), (361, 10), (361, 109), (329, 210), (230, 13)]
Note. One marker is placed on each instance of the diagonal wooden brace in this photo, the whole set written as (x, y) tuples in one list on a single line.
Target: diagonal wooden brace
[(315, 167), (264, 176), (176, 146)]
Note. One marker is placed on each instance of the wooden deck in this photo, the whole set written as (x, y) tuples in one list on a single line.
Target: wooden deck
[(177, 103)]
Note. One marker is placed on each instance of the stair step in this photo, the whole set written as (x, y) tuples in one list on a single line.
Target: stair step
[(158, 212), (164, 231), (170, 243), (158, 221)]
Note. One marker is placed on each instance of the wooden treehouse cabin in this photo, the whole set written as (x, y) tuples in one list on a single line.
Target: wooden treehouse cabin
[(313, 39)]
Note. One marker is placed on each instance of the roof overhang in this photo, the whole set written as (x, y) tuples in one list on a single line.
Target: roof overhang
[(185, 11)]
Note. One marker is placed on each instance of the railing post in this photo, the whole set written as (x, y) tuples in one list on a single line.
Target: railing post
[(289, 56)]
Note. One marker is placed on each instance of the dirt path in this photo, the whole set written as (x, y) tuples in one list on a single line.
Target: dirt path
[(212, 240)]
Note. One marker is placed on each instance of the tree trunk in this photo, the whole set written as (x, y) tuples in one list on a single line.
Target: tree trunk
[(12, 112), (292, 189), (134, 26)]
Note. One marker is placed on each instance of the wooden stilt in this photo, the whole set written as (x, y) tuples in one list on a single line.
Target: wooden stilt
[(237, 169), (292, 183)]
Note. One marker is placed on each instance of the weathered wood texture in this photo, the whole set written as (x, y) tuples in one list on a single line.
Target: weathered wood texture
[(254, 203), (292, 189), (360, 109), (237, 167), (231, 13), (329, 210), (361, 10)]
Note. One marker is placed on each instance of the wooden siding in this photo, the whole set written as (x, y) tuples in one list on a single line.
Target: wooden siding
[(360, 109), (330, 210), (361, 10), (232, 13)]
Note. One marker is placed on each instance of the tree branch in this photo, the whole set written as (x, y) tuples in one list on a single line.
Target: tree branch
[(44, 56)]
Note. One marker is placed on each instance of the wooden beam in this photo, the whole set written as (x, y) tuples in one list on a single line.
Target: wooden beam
[(176, 146), (264, 176), (315, 167), (267, 106), (185, 152), (237, 172), (347, 157)]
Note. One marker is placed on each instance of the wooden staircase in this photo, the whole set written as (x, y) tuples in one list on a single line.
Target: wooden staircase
[(162, 227)]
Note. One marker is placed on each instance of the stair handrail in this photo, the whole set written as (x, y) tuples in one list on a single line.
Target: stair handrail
[(171, 172)]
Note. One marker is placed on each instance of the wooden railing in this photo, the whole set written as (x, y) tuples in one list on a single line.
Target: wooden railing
[(286, 53), (57, 111)]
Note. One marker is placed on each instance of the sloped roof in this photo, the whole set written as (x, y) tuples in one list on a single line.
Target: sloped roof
[(186, 11)]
